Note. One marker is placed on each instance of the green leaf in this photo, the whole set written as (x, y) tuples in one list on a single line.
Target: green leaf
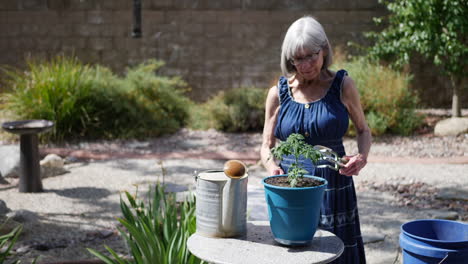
[(9, 241), (102, 257), (295, 145), (159, 230)]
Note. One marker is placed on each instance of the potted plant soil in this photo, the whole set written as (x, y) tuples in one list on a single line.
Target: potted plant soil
[(294, 199)]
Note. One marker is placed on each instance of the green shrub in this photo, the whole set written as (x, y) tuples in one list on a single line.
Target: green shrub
[(50, 90), (387, 101), (160, 105), (92, 102), (155, 231), (235, 110)]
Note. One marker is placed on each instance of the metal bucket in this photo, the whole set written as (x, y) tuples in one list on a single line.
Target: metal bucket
[(221, 204)]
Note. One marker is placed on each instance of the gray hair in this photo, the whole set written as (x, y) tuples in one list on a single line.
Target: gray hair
[(304, 33)]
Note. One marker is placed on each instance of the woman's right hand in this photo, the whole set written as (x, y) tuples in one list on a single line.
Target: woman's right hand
[(276, 171), (269, 140)]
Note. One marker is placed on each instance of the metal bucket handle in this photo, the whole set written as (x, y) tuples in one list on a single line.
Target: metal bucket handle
[(464, 252), (443, 260)]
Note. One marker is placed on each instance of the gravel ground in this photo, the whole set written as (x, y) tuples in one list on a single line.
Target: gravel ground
[(423, 144), (418, 146), (85, 202)]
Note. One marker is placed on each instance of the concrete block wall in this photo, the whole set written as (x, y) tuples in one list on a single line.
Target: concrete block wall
[(213, 45)]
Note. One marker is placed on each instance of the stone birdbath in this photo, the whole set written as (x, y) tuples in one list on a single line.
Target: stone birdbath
[(30, 170)]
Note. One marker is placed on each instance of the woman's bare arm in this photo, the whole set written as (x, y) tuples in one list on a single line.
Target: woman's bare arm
[(269, 140), (350, 98)]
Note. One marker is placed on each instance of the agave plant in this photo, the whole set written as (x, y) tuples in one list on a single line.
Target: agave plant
[(155, 231)]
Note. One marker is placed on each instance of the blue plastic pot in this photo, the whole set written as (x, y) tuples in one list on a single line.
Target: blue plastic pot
[(294, 212), (434, 241)]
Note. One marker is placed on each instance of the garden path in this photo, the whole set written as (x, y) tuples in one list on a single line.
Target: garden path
[(78, 209)]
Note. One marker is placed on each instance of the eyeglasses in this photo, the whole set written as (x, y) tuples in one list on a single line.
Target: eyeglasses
[(309, 59)]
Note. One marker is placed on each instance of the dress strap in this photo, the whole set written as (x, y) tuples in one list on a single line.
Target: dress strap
[(338, 82), (283, 89)]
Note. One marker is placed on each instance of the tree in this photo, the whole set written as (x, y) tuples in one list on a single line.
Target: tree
[(436, 29)]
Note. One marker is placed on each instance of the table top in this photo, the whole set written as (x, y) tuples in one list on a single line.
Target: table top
[(259, 247)]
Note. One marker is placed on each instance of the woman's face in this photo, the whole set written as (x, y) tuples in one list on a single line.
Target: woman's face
[(308, 63)]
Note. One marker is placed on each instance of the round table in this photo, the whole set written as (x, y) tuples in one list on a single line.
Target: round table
[(258, 247)]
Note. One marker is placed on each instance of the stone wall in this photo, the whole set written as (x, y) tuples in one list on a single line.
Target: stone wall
[(213, 45)]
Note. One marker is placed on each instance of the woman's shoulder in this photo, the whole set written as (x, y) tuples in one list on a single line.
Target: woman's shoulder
[(348, 89), (341, 76)]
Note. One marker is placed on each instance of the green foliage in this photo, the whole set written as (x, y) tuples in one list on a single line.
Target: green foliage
[(148, 104), (296, 146), (436, 29), (7, 242), (156, 231), (388, 103), (92, 102), (49, 90), (236, 110)]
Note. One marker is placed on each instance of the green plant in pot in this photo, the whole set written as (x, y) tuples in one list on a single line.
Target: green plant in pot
[(294, 199)]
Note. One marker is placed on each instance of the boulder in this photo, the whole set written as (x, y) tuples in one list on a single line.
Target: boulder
[(3, 208), (452, 126), (52, 165), (9, 161), (23, 216), (7, 225)]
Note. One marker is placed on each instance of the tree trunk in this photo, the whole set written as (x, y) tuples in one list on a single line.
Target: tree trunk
[(456, 108)]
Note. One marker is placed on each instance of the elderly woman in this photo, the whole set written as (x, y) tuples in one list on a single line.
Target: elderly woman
[(316, 102)]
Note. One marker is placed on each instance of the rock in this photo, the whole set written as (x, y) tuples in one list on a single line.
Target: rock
[(52, 160), (138, 144), (71, 159), (7, 225), (3, 250), (52, 165), (48, 244), (42, 247), (23, 216), (9, 161), (452, 194), (442, 214), (451, 127), (23, 249), (3, 208), (105, 233), (3, 181), (373, 238)]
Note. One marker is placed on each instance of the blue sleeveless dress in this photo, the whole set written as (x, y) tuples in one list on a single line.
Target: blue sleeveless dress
[(324, 122)]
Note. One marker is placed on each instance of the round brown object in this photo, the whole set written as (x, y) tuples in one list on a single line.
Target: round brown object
[(234, 168)]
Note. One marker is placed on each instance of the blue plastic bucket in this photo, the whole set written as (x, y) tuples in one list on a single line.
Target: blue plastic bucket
[(294, 213), (429, 241)]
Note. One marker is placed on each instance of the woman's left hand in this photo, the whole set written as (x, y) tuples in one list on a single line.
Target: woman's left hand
[(354, 165)]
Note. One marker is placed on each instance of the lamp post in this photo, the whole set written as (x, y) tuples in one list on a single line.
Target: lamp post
[(136, 32)]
